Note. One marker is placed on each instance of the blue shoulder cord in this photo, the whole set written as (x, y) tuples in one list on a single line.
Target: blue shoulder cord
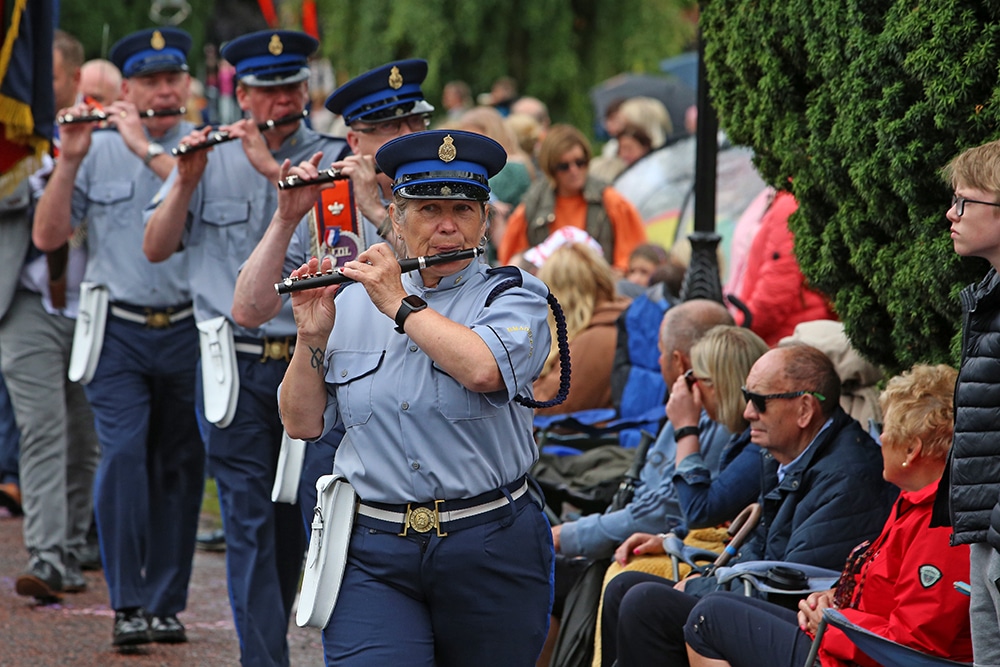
[(562, 340)]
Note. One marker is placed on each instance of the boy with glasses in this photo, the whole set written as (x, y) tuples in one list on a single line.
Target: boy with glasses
[(967, 495)]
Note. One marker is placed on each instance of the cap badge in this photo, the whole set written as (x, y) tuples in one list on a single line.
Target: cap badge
[(447, 151), (445, 191), (395, 78), (157, 41), (275, 47)]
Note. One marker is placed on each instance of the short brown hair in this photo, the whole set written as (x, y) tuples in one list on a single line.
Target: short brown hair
[(559, 139)]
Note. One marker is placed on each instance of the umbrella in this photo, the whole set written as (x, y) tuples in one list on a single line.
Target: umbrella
[(676, 95), (684, 67)]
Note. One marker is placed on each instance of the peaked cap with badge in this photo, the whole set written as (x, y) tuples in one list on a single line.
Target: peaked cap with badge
[(385, 93), (442, 164), (270, 57), (151, 51)]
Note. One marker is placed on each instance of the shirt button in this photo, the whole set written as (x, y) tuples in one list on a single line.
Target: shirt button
[(405, 405), (413, 348), (343, 373), (415, 465)]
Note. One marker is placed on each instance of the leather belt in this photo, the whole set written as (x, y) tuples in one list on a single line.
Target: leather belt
[(266, 349), (444, 515), (152, 318)]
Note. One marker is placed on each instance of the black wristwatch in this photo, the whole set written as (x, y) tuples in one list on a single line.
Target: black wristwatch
[(410, 305), (684, 432)]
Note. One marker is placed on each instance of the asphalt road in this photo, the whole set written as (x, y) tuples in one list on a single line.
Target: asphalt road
[(77, 631)]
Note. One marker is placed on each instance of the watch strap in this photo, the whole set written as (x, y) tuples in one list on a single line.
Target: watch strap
[(684, 432), (407, 307)]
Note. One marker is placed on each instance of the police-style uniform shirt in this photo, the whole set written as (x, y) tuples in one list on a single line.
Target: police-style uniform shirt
[(414, 434), (112, 188), (229, 211)]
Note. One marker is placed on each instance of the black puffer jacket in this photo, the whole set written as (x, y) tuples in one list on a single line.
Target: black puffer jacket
[(970, 485)]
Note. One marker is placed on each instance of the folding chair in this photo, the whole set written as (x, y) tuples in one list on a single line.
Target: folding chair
[(884, 651), (738, 530), (775, 577)]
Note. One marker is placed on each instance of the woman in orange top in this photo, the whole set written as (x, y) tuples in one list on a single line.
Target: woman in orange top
[(570, 197)]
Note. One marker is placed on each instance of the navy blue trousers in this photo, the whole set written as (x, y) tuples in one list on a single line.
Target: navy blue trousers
[(479, 596), (151, 475), (265, 541), (746, 632)]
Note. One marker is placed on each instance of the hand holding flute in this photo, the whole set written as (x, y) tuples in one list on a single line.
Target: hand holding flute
[(224, 134)]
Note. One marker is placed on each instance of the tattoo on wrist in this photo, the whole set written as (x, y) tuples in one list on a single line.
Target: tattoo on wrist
[(316, 360)]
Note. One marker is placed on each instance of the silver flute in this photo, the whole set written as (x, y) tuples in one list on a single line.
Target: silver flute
[(335, 277)]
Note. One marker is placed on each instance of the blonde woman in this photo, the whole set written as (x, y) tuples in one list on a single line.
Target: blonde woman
[(585, 286)]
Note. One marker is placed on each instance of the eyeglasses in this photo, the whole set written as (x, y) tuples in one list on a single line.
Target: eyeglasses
[(392, 127), (760, 400), (564, 166), (691, 379), (958, 203)]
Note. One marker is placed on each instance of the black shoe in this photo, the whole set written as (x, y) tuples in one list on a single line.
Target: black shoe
[(167, 629), (131, 628), (73, 581), (42, 581), (90, 557), (213, 541)]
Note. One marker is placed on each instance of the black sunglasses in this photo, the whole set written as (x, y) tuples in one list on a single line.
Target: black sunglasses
[(564, 166), (760, 400)]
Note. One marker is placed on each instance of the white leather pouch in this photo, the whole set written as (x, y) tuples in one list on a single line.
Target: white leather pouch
[(88, 336), (219, 375), (333, 519), (286, 478)]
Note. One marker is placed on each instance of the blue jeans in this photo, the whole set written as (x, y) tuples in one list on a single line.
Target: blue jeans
[(10, 438)]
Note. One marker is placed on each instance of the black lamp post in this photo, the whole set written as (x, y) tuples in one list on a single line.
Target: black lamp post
[(702, 278)]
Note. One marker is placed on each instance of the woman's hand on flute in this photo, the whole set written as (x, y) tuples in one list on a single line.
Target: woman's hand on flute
[(314, 310), (378, 270)]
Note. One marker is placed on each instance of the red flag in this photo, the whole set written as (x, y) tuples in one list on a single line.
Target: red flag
[(310, 22)]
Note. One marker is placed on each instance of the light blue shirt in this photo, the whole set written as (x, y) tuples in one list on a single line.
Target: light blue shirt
[(414, 434), (782, 469), (229, 212), (112, 188)]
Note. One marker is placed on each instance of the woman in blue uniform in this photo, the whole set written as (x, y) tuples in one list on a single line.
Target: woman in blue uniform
[(450, 559)]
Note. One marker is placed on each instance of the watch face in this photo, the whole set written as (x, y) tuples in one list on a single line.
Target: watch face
[(415, 302)]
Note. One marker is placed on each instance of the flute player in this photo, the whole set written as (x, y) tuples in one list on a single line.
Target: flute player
[(140, 373), (423, 369), (215, 206)]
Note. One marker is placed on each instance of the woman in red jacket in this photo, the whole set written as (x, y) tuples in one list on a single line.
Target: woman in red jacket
[(901, 586)]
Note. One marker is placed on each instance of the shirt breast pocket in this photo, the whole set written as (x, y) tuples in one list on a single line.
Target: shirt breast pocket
[(352, 374), (226, 228), (455, 401), (113, 199)]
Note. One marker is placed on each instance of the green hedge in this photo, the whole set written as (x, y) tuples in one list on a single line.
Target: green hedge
[(855, 106)]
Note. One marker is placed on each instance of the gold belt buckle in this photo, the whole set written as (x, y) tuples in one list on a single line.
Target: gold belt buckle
[(422, 519), (275, 348), (158, 319)]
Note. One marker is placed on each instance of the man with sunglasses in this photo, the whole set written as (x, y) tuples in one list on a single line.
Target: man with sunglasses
[(825, 495)]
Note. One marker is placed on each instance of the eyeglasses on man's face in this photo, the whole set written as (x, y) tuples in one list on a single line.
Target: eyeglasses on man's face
[(391, 128), (759, 401), (579, 163), (958, 203)]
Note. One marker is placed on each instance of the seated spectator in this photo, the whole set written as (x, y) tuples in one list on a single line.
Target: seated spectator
[(529, 134), (456, 99), (899, 587), (822, 492), (584, 285), (569, 197), (513, 180), (653, 505), (774, 291)]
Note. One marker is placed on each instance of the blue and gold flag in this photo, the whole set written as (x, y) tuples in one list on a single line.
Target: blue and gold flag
[(26, 97)]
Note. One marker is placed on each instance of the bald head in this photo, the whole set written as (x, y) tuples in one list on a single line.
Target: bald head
[(684, 325), (534, 107), (101, 81)]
